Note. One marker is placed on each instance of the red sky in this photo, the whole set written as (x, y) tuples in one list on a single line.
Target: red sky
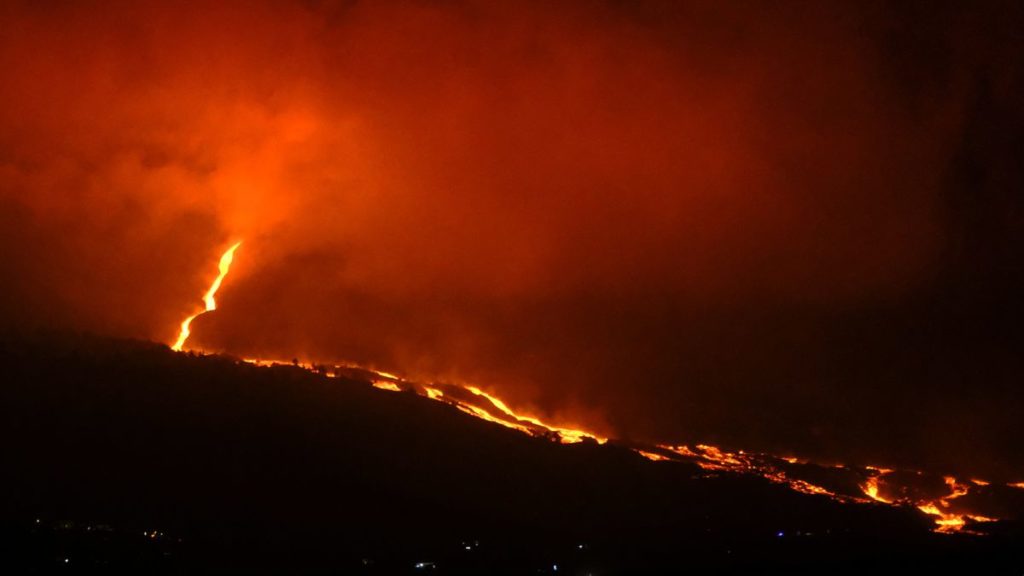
[(788, 225)]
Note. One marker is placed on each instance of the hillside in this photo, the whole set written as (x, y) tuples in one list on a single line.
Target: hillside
[(126, 456)]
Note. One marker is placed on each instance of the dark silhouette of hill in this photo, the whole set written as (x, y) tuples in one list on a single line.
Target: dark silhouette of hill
[(122, 456)]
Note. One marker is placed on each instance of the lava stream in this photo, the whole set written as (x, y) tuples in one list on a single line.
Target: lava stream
[(870, 486), (475, 402), (486, 406), (210, 304)]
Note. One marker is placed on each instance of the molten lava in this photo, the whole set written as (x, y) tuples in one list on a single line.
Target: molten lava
[(208, 299), (780, 470), (870, 486), (566, 435), (949, 521), (386, 385)]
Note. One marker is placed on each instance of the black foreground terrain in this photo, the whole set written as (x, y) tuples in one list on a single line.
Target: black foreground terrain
[(124, 457)]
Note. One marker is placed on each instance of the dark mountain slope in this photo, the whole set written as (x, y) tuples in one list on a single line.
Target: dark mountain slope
[(249, 469)]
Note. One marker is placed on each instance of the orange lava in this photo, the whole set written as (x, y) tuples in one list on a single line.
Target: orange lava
[(386, 385), (711, 458), (653, 456), (870, 488), (949, 521), (946, 521), (714, 458), (566, 435), (208, 299), (780, 470)]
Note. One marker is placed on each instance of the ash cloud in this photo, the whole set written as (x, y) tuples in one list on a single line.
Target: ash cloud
[(792, 227)]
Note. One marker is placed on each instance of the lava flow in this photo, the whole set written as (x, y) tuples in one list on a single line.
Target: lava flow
[(939, 509), (870, 486), (208, 300), (785, 471), (867, 485)]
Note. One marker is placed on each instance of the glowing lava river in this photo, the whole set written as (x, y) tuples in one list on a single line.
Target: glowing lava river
[(952, 504), (208, 299)]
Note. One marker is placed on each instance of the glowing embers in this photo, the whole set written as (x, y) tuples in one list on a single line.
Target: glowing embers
[(208, 299)]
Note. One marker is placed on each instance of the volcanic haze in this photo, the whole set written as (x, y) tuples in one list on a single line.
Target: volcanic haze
[(796, 227)]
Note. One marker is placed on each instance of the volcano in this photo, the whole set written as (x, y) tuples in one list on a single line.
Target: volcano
[(477, 287), (124, 456)]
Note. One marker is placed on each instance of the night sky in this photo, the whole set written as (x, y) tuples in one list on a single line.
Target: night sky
[(795, 227)]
